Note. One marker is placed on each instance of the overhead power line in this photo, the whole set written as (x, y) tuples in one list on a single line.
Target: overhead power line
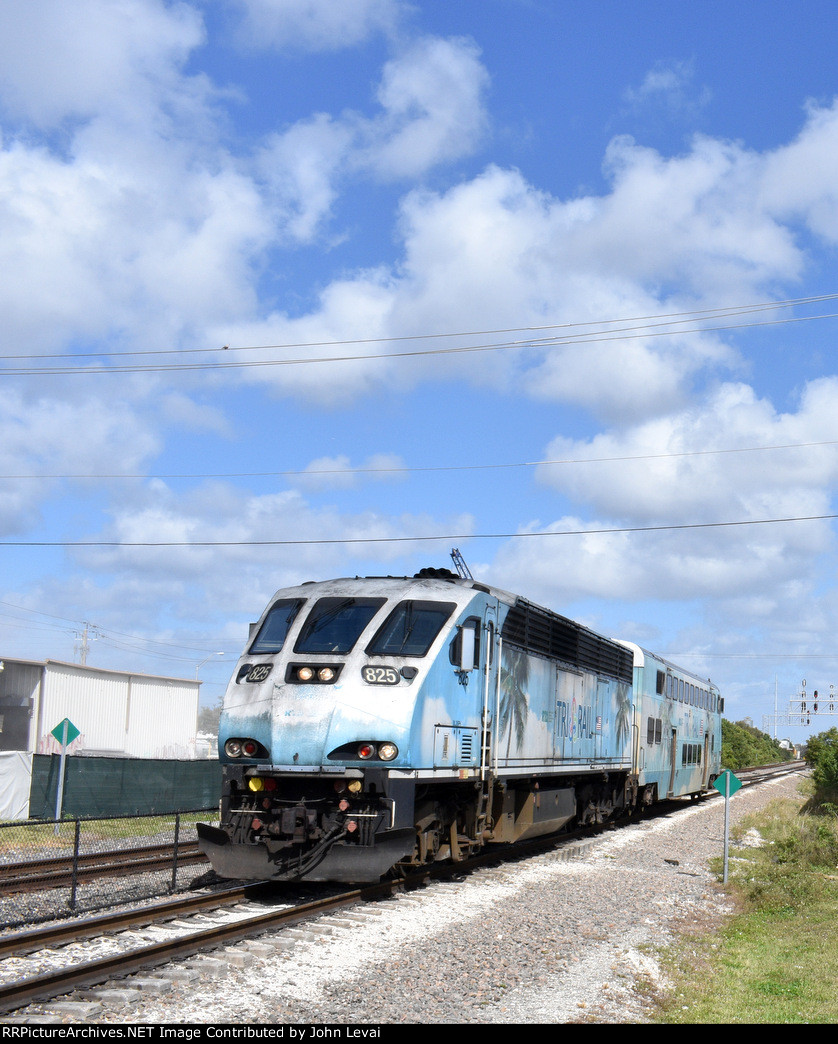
[(117, 638), (688, 316), (664, 325), (405, 470), (416, 538)]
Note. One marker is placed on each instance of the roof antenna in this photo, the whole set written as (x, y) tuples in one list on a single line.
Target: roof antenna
[(460, 563)]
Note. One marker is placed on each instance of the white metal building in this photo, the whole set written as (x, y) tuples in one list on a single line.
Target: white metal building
[(117, 713)]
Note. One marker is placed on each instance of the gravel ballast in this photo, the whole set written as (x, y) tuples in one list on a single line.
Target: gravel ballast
[(542, 941)]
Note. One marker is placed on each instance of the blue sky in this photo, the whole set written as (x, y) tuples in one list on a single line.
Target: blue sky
[(339, 275)]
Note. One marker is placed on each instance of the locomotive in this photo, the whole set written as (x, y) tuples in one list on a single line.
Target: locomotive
[(375, 724)]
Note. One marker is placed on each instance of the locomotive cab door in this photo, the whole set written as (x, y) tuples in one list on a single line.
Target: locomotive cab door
[(491, 674), (463, 743)]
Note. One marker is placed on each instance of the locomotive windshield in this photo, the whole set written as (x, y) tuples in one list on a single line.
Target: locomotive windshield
[(335, 624), (274, 630), (410, 629)]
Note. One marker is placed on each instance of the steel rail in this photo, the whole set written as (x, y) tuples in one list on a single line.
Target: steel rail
[(36, 874), (51, 984), (19, 943)]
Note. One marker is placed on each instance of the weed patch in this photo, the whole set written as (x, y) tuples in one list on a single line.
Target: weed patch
[(777, 960)]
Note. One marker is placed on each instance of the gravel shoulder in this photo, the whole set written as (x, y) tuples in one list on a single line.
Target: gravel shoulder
[(542, 941)]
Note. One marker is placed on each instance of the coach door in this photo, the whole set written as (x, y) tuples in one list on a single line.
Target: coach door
[(672, 755)]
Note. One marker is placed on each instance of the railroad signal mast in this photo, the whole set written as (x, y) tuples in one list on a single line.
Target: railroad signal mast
[(814, 703), (805, 707)]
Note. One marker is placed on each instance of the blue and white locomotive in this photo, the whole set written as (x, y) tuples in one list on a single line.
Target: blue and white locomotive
[(388, 722)]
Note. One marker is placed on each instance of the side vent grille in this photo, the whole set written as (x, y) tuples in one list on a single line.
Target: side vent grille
[(538, 630)]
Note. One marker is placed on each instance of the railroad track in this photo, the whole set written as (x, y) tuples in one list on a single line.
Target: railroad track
[(139, 940), (53, 961), (39, 965), (60, 872)]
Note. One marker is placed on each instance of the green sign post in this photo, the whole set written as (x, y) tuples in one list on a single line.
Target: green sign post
[(727, 784), (65, 732)]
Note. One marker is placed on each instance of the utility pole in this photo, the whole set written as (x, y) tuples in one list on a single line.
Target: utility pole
[(83, 643)]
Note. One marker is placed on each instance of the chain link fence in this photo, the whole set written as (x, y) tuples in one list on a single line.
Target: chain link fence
[(51, 869)]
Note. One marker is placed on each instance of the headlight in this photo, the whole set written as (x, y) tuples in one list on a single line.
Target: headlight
[(365, 750), (245, 748), (312, 673)]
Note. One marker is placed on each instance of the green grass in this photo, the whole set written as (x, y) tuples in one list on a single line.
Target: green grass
[(43, 838), (777, 960)]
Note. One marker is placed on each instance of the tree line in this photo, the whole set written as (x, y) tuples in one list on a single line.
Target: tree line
[(743, 746)]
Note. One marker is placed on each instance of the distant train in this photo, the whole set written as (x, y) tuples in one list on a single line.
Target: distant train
[(385, 723)]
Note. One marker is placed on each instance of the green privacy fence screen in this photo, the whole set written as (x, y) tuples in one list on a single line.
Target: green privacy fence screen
[(122, 786)]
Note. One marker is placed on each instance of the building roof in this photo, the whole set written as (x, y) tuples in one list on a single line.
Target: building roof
[(98, 670)]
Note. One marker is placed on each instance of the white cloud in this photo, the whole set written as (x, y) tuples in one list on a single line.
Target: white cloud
[(722, 564), (692, 220), (137, 223), (668, 86), (43, 436), (431, 112), (235, 574), (688, 469), (178, 410), (339, 473), (316, 25), (301, 167), (125, 234), (132, 217), (79, 60), (432, 96), (801, 178), (94, 247), (684, 467), (712, 227)]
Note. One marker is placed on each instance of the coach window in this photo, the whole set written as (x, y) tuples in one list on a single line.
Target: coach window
[(691, 754)]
